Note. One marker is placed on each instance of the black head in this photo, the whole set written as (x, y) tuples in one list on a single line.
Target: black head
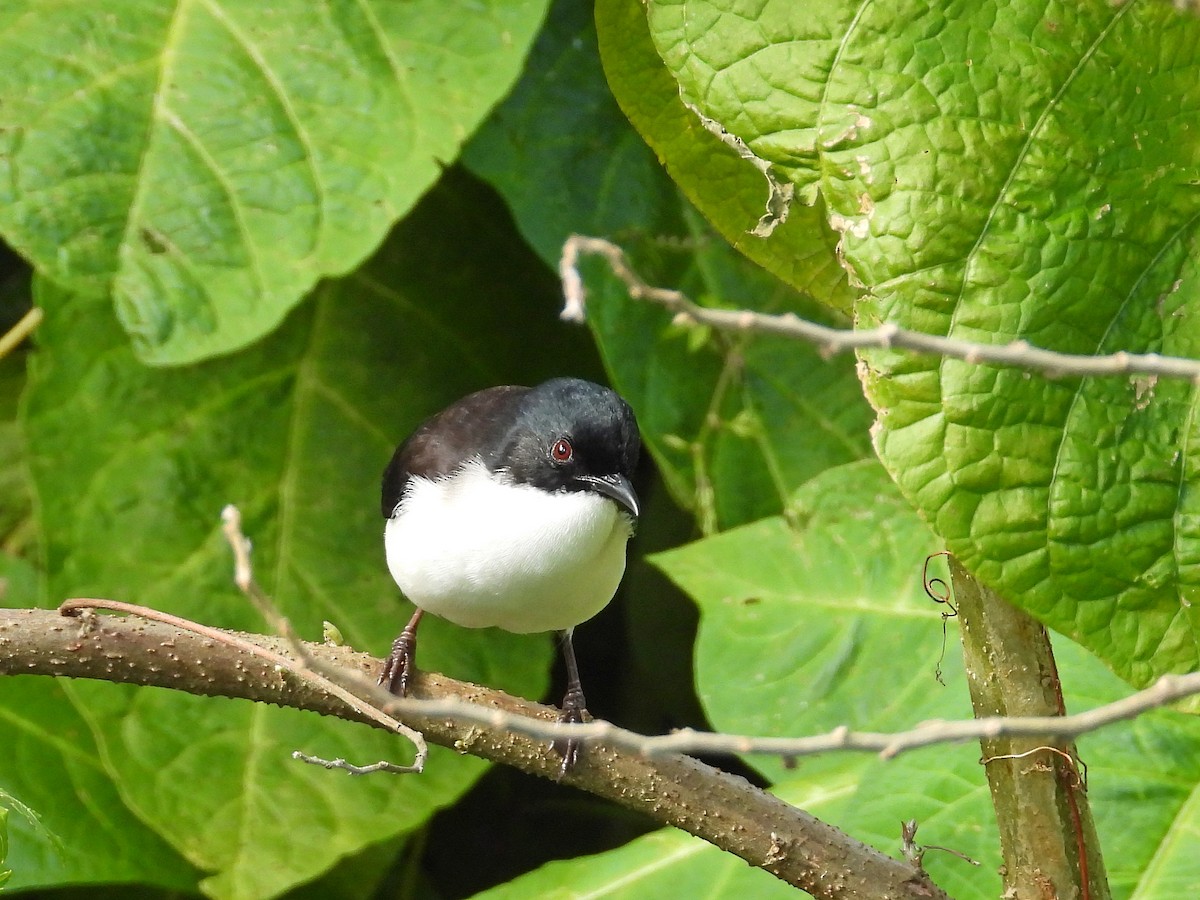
[(572, 435)]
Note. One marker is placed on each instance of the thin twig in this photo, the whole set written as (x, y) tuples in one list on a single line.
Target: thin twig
[(915, 853), (357, 692), (1168, 689), (382, 766), (243, 577), (12, 338), (1019, 354), (79, 605)]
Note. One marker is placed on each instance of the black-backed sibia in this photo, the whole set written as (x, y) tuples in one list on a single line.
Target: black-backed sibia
[(511, 508)]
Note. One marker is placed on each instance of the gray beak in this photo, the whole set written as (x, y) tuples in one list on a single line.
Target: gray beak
[(615, 486)]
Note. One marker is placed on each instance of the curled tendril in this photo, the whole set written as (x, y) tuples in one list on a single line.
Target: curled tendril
[(938, 590)]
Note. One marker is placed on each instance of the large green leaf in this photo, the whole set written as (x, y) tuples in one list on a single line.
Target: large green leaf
[(69, 821), (730, 193), (828, 609), (80, 829), (1005, 171), (671, 863), (735, 424), (5, 874), (1143, 785), (207, 162), (823, 624), (132, 467), (730, 429), (562, 154)]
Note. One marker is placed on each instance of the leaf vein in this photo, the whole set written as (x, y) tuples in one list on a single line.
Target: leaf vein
[(285, 101)]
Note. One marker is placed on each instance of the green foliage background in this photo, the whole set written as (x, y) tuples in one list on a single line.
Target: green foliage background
[(267, 242)]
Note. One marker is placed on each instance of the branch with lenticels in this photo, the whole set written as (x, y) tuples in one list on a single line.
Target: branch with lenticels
[(673, 789), (645, 773)]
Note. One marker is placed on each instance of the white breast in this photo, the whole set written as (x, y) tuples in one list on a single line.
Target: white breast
[(480, 552)]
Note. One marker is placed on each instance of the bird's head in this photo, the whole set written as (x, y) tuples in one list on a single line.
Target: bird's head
[(573, 435)]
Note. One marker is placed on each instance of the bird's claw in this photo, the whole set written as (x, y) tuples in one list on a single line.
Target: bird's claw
[(574, 712), (400, 666)]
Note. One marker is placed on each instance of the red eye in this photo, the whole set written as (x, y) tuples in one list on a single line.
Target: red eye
[(562, 451)]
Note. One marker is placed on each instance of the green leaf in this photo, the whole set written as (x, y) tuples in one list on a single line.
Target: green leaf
[(5, 874), (19, 582), (80, 830), (1143, 785), (1143, 780), (730, 433), (206, 163), (731, 194), (763, 77), (66, 803), (562, 154), (735, 425), (672, 863), (17, 505), (996, 176), (814, 617), (296, 431), (826, 624)]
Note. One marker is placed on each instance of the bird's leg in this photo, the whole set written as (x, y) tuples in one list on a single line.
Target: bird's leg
[(574, 706), (401, 666)]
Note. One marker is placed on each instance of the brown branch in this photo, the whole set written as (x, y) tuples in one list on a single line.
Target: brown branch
[(675, 790), (301, 664), (1019, 354)]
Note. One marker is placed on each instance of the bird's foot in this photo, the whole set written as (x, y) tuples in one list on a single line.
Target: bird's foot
[(400, 667), (574, 711)]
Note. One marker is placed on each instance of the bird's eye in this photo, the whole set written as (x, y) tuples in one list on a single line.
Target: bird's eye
[(562, 451)]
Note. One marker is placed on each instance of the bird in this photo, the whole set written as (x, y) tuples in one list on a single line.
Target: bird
[(512, 508)]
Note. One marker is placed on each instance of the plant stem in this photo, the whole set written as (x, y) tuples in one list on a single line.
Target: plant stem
[(1047, 836)]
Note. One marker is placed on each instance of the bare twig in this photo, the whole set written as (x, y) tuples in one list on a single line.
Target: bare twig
[(915, 853), (79, 606), (1168, 689), (12, 338), (1019, 354), (243, 577), (382, 766), (350, 688)]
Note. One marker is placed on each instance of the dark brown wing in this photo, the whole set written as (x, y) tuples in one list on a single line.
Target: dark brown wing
[(446, 440)]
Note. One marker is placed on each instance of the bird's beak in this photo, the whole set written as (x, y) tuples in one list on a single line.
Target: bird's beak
[(615, 486)]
